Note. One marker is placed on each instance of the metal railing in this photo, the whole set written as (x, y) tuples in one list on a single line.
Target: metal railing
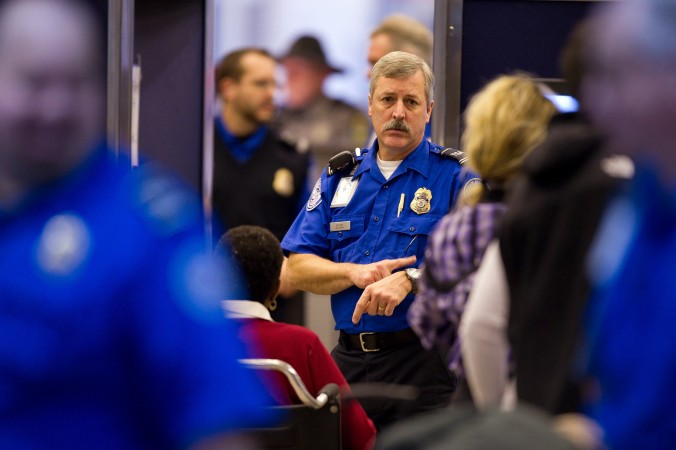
[(293, 377)]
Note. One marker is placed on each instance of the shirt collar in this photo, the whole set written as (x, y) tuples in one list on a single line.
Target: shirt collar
[(245, 309), (241, 148), (417, 160)]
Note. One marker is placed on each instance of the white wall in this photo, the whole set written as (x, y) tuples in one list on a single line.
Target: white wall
[(342, 26)]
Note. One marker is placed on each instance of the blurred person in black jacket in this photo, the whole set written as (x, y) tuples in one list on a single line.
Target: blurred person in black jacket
[(553, 213)]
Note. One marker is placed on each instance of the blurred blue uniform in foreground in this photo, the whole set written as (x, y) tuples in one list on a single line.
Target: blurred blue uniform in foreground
[(111, 332), (632, 319)]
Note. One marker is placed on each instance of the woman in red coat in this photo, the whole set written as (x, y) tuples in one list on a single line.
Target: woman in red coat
[(258, 254)]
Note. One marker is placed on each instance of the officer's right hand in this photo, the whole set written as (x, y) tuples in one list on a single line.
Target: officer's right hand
[(364, 274)]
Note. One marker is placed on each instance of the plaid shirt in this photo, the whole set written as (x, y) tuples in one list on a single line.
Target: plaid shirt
[(453, 254)]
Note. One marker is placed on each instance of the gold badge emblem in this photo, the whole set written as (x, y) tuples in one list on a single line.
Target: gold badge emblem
[(421, 201), (283, 182)]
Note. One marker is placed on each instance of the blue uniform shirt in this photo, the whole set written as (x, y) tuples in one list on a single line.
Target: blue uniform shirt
[(631, 318), (370, 227), (111, 335)]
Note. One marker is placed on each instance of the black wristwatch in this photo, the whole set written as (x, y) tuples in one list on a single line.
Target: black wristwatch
[(413, 275)]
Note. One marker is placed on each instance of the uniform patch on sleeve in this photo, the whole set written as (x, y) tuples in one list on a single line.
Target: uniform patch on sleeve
[(316, 196), (471, 182)]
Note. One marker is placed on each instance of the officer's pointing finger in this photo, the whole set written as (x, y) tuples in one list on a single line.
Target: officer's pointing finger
[(359, 309), (401, 262)]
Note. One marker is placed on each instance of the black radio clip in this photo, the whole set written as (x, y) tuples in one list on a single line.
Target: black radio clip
[(345, 161)]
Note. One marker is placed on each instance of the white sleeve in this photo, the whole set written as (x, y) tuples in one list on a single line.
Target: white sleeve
[(483, 332)]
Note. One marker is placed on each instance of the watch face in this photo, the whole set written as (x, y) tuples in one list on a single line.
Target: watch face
[(413, 275)]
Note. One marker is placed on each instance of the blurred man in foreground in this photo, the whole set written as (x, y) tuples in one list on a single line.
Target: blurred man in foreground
[(630, 323), (111, 335)]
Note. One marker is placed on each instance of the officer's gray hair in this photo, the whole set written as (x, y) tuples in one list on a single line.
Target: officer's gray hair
[(402, 65)]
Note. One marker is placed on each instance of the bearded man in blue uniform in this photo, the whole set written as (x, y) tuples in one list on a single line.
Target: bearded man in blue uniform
[(111, 334), (363, 233)]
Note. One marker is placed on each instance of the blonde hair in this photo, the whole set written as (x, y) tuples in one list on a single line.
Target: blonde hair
[(504, 121)]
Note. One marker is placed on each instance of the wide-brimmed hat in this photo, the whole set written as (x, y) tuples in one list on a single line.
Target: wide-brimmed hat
[(309, 47)]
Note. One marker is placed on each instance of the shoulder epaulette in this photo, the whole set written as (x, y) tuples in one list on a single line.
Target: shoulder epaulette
[(345, 161), (455, 154)]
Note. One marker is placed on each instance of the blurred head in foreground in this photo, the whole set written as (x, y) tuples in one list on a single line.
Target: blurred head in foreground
[(631, 89), (52, 90)]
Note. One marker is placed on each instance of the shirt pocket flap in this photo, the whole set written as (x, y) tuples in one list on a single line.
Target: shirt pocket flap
[(414, 225)]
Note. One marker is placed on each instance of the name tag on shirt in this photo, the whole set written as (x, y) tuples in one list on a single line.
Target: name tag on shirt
[(340, 226), (344, 192)]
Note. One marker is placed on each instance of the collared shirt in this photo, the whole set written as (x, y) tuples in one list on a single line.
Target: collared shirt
[(381, 219), (241, 148), (246, 309)]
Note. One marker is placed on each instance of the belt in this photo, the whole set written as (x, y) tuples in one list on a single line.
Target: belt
[(373, 342)]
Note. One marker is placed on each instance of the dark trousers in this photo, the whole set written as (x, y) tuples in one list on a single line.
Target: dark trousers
[(408, 364)]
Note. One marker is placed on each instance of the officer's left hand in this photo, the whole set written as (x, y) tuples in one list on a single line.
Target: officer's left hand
[(381, 297)]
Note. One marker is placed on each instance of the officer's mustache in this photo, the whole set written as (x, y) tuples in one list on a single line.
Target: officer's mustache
[(397, 124)]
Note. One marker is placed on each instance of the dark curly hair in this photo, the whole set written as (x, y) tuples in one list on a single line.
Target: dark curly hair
[(258, 253)]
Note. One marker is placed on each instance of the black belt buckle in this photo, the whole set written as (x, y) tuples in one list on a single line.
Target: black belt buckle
[(363, 346)]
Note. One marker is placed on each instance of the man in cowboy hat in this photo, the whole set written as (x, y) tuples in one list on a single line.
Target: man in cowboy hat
[(314, 121)]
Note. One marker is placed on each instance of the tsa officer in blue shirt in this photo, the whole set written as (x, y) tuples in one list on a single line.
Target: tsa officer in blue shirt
[(362, 236)]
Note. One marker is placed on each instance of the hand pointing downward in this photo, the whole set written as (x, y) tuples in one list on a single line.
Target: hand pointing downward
[(383, 295)]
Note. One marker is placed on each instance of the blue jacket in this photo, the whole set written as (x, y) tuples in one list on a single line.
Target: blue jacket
[(631, 321), (111, 332)]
